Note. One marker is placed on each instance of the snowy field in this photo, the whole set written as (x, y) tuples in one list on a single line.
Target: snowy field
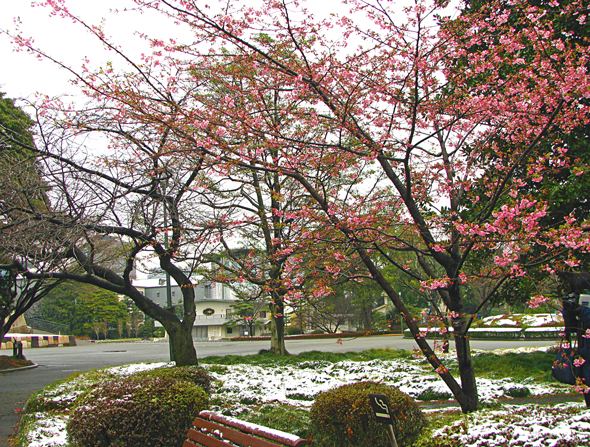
[(238, 388)]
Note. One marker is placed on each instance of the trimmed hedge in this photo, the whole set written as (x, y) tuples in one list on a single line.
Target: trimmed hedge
[(343, 416), (193, 374), (136, 411), (314, 335)]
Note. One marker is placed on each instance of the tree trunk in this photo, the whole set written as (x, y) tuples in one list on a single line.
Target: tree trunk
[(180, 332), (277, 327), (181, 340), (467, 374), (367, 315), (466, 393)]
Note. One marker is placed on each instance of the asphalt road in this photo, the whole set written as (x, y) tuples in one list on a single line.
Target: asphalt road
[(59, 363)]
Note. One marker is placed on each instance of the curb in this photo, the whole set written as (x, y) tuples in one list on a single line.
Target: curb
[(545, 399), (18, 369)]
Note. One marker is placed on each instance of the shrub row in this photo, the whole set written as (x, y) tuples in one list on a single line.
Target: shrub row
[(155, 409), (322, 335)]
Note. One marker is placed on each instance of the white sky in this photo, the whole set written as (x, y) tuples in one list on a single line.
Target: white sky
[(21, 75)]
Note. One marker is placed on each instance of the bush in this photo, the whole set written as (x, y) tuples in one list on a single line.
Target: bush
[(343, 416), (294, 330), (193, 374), (516, 390), (138, 410)]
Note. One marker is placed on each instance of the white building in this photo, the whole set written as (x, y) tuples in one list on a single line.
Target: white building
[(213, 307)]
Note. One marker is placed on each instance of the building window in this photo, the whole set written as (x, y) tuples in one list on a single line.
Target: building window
[(230, 330), (208, 291), (158, 295), (263, 314)]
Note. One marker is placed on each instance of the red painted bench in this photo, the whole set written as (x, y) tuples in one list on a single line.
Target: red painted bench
[(216, 430)]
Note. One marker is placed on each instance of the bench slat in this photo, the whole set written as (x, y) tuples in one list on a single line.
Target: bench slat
[(202, 439), (232, 435), (285, 439)]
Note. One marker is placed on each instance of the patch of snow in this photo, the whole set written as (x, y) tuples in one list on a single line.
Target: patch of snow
[(530, 320), (505, 322), (127, 370), (49, 431), (523, 425)]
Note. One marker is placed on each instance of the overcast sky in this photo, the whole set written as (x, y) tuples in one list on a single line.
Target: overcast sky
[(22, 75)]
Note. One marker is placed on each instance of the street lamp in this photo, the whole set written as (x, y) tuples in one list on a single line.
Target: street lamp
[(168, 287)]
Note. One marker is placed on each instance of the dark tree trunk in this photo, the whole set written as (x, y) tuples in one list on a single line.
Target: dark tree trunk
[(466, 393), (181, 341), (367, 316), (277, 326)]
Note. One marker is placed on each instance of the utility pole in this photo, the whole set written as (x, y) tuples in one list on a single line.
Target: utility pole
[(168, 288)]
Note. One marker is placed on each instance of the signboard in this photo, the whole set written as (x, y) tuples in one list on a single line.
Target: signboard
[(380, 406)]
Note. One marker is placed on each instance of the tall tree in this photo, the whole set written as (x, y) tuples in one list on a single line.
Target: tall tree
[(412, 134), (561, 178), (21, 185), (99, 312), (138, 201), (257, 209), (425, 128)]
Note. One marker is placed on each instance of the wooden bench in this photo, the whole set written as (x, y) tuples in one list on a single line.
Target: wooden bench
[(216, 430)]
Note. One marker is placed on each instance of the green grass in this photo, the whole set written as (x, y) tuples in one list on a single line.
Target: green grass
[(266, 358), (280, 417), (536, 365), (437, 421)]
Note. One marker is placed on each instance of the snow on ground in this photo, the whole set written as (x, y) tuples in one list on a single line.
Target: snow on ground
[(526, 425), (49, 430), (240, 386), (523, 320), (298, 384)]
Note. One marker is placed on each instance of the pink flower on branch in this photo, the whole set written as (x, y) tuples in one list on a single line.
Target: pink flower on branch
[(536, 301), (579, 362)]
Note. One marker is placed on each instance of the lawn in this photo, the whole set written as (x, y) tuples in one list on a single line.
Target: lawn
[(278, 392)]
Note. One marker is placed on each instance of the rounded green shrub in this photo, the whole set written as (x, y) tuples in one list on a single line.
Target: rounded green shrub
[(136, 411), (294, 330), (193, 374), (343, 417)]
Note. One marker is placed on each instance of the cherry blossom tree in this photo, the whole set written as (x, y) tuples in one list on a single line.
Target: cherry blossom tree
[(256, 210), (386, 95), (434, 155)]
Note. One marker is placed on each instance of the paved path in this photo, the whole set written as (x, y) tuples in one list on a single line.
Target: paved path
[(59, 363)]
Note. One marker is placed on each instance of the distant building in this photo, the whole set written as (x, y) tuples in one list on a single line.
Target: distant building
[(213, 307)]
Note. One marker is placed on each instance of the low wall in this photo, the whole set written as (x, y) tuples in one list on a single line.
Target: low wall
[(533, 333), (37, 341)]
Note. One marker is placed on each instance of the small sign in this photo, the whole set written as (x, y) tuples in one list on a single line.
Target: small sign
[(380, 406)]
